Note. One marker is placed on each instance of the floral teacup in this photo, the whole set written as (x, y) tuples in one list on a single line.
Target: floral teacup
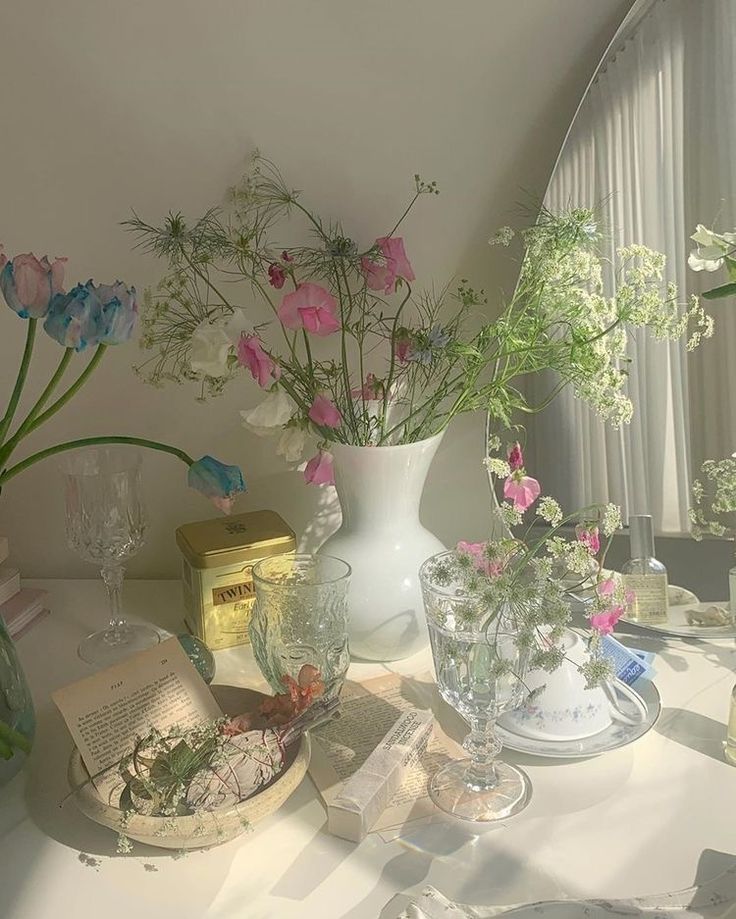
[(564, 709)]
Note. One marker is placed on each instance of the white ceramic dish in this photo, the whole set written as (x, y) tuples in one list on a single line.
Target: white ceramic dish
[(199, 830), (618, 734), (677, 625)]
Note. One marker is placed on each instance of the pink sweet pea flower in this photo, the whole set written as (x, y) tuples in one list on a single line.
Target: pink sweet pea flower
[(476, 551), (310, 307), (369, 389), (383, 275), (606, 587), (319, 470), (523, 490), (276, 276), (605, 621), (590, 538), (252, 356), (515, 457), (402, 345), (377, 276), (392, 249), (285, 257), (325, 413)]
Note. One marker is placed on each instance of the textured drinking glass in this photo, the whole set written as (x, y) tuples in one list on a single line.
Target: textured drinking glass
[(479, 673), (301, 617), (105, 525)]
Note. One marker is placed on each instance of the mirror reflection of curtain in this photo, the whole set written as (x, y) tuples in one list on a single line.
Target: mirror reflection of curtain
[(653, 145)]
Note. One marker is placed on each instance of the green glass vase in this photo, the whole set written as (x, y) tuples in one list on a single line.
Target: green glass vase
[(17, 718)]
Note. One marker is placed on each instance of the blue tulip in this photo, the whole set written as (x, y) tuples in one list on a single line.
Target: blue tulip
[(73, 319), (92, 315), (216, 481)]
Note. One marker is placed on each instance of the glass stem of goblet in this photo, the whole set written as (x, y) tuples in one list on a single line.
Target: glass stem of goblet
[(113, 578), (483, 747)]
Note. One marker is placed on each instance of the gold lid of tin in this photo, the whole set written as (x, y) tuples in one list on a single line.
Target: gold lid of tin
[(230, 540)]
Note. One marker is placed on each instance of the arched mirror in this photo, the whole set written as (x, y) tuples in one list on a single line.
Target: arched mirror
[(652, 149)]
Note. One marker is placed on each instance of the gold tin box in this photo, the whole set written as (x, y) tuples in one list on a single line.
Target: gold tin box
[(218, 558)]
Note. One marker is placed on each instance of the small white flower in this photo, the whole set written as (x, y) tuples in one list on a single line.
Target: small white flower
[(498, 467), (271, 414), (550, 511), (291, 444), (611, 519), (211, 347)]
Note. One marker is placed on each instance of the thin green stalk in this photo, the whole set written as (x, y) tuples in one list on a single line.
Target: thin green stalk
[(392, 361), (25, 425), (92, 442), (10, 738), (20, 379), (73, 389)]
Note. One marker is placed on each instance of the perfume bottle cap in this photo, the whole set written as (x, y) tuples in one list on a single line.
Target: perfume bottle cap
[(641, 535)]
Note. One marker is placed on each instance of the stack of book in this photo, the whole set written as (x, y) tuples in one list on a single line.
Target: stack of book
[(20, 607)]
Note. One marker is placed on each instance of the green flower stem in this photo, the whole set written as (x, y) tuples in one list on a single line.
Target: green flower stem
[(11, 738), (21, 379), (25, 426), (91, 442), (71, 392)]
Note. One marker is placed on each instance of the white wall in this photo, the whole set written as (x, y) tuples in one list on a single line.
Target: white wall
[(153, 104)]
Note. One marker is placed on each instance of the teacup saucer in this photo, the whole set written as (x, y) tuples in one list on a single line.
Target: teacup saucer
[(615, 736)]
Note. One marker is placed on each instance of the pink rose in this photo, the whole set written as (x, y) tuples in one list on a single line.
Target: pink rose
[(310, 307), (252, 356), (325, 413), (605, 621), (590, 539), (319, 470), (383, 275), (522, 490), (29, 283), (516, 457), (276, 276)]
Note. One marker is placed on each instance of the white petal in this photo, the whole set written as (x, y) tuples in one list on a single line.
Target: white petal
[(291, 444), (697, 263), (210, 350), (703, 236), (273, 413), (238, 324)]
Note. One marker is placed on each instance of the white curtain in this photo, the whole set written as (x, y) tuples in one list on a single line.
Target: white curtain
[(652, 146)]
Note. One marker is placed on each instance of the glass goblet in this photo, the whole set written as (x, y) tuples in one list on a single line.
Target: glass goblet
[(105, 524), (300, 618), (480, 674)]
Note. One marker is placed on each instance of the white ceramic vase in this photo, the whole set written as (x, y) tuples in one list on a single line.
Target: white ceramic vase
[(381, 538)]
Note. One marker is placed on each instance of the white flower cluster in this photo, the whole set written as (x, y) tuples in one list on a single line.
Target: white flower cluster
[(611, 520), (714, 499), (549, 510), (498, 467)]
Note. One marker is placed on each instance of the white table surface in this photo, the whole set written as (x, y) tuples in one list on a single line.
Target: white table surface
[(648, 818)]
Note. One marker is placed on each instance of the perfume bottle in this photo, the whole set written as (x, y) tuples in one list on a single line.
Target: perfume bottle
[(644, 574)]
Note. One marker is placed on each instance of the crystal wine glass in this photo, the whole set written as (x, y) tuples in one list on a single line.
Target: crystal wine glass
[(480, 672), (105, 524)]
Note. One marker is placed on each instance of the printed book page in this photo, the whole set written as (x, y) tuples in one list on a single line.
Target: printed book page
[(106, 712), (369, 711)]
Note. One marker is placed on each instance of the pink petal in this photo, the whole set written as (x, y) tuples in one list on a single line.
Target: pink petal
[(319, 470), (523, 491), (325, 413), (393, 251)]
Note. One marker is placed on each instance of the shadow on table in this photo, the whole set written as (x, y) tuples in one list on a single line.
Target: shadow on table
[(691, 729)]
